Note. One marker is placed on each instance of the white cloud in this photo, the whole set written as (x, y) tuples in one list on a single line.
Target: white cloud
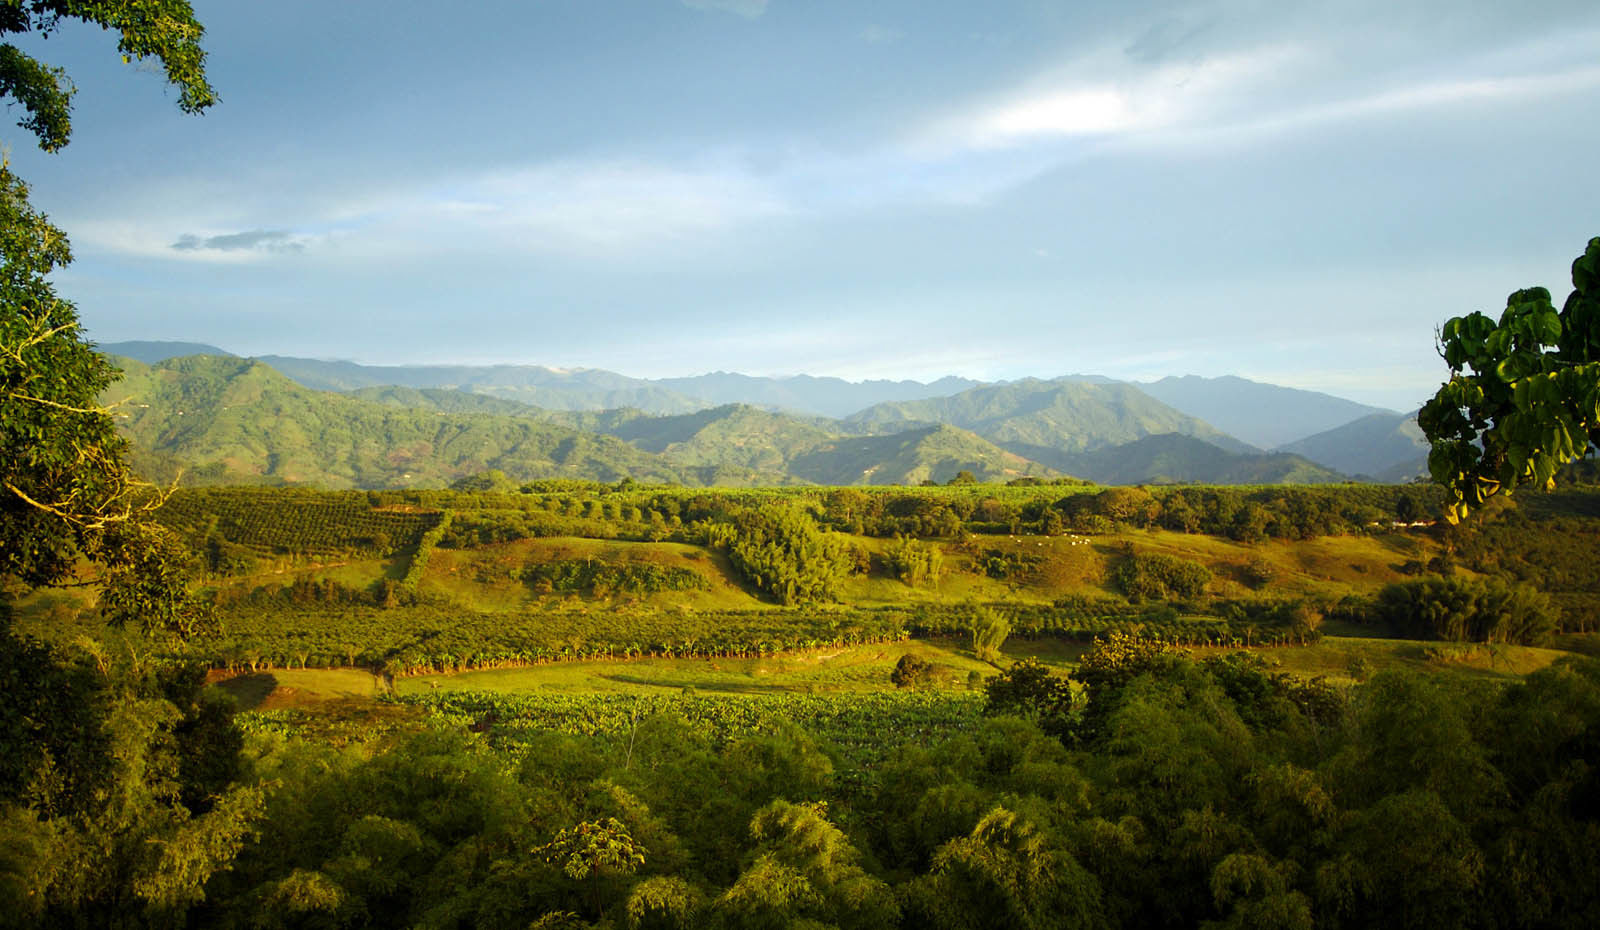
[(1101, 96)]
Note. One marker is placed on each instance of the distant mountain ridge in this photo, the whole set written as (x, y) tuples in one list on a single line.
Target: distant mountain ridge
[(1177, 459), (1264, 415), (151, 352), (1383, 446), (1085, 425), (233, 420), (1046, 420)]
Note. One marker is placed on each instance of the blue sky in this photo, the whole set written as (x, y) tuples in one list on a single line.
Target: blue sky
[(1293, 192)]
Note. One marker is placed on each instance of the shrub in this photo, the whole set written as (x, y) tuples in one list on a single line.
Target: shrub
[(1467, 610), (1161, 576)]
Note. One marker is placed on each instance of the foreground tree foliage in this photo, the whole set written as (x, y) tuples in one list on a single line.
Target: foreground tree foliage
[(1208, 793), (1523, 397), (118, 799)]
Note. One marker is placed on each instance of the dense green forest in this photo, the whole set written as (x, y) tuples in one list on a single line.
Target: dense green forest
[(1150, 790)]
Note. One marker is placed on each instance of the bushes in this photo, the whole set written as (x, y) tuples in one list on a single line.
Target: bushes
[(590, 576), (913, 562), (1160, 577), (781, 551), (913, 671), (1463, 609), (989, 632), (425, 545)]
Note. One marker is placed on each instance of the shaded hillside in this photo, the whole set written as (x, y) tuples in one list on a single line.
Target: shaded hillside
[(935, 453), (1264, 415), (238, 420), (1178, 459), (1041, 420), (1387, 446)]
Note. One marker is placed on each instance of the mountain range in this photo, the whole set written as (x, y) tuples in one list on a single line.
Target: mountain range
[(339, 424)]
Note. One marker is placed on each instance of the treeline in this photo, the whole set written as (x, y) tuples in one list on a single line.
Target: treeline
[(298, 521), (322, 624)]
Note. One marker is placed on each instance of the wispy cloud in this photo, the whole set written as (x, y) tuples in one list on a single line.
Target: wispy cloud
[(594, 206), (749, 9), (253, 240)]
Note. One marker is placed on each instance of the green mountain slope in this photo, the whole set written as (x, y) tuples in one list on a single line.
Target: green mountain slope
[(238, 420), (1174, 459), (934, 453), (1042, 420), (736, 435)]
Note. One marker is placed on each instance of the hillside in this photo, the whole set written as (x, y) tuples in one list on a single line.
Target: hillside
[(1178, 459), (1046, 420), (736, 435), (1386, 446), (238, 420), (934, 453), (1265, 415)]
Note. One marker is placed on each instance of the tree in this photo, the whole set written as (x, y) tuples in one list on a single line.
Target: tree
[(146, 817), (65, 488), (1523, 397)]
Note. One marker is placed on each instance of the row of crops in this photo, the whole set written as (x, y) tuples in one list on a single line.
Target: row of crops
[(428, 639), (277, 521)]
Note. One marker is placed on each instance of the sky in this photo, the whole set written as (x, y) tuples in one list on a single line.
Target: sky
[(1294, 192)]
